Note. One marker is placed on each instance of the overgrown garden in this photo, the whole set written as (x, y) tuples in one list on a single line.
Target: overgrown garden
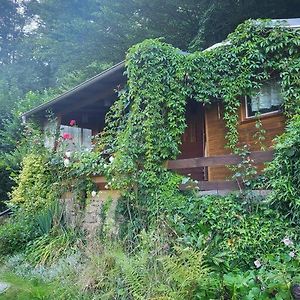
[(169, 244)]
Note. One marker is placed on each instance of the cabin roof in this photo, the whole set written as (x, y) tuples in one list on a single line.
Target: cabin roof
[(290, 23), (108, 80)]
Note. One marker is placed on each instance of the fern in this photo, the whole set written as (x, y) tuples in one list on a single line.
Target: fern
[(183, 275), (135, 271), (186, 274)]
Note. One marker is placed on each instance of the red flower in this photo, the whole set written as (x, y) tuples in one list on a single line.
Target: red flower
[(72, 123), (67, 136)]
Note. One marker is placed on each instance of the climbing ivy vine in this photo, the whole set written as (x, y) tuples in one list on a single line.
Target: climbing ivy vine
[(145, 124)]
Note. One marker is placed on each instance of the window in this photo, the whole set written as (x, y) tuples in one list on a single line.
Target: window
[(267, 100), (76, 138), (50, 129)]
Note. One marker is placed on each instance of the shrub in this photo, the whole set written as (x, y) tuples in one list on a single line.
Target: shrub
[(233, 229), (34, 187), (16, 233), (272, 280), (5, 184), (149, 273), (49, 248), (284, 171)]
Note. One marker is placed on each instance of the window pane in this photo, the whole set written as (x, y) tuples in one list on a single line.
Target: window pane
[(86, 138), (268, 99), (265, 97), (276, 96), (76, 138), (49, 133)]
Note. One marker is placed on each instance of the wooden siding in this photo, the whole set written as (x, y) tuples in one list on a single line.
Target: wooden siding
[(215, 135)]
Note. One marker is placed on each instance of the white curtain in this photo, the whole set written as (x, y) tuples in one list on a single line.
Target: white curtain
[(269, 96)]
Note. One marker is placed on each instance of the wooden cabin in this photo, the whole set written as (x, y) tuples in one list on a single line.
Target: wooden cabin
[(203, 152)]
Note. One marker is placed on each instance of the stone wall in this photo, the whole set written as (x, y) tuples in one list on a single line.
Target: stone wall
[(90, 218)]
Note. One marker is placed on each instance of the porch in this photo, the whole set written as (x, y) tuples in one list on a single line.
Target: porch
[(190, 165)]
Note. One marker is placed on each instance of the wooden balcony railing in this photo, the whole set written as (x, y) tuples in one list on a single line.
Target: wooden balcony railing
[(200, 162), (258, 157)]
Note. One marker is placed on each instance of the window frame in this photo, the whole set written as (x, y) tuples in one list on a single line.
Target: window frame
[(81, 130), (261, 114), (266, 114)]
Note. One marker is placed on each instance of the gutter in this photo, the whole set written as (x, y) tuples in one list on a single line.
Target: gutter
[(6, 212)]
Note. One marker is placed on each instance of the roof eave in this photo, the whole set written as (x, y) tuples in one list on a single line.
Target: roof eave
[(85, 84)]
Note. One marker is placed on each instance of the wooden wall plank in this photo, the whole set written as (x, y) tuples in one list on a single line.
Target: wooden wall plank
[(221, 160), (216, 131)]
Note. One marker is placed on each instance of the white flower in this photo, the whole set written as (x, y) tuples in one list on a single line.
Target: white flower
[(66, 162), (68, 154), (257, 264), (105, 166), (111, 159), (292, 254), (287, 241), (94, 194), (106, 186)]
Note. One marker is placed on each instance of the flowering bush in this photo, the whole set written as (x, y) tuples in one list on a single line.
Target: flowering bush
[(67, 136), (244, 233)]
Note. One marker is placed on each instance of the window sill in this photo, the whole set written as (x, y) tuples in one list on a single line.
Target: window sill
[(253, 119)]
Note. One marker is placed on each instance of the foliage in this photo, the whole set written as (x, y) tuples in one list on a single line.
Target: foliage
[(16, 233), (221, 17), (188, 277), (149, 272), (5, 184), (24, 289), (35, 184), (237, 232), (161, 79), (48, 248), (283, 172), (273, 280), (50, 217), (144, 129), (245, 172)]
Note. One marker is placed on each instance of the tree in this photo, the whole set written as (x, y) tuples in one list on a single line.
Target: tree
[(221, 17)]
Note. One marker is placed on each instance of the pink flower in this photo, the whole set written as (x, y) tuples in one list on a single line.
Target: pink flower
[(72, 123), (67, 136)]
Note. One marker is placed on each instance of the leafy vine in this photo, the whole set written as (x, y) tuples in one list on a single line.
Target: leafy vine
[(145, 124)]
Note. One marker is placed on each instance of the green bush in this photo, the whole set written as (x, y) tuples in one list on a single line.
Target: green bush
[(283, 172), (50, 247), (16, 233), (237, 232), (5, 184), (272, 280), (35, 184)]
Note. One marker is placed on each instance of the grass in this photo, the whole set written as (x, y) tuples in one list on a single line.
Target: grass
[(22, 289)]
